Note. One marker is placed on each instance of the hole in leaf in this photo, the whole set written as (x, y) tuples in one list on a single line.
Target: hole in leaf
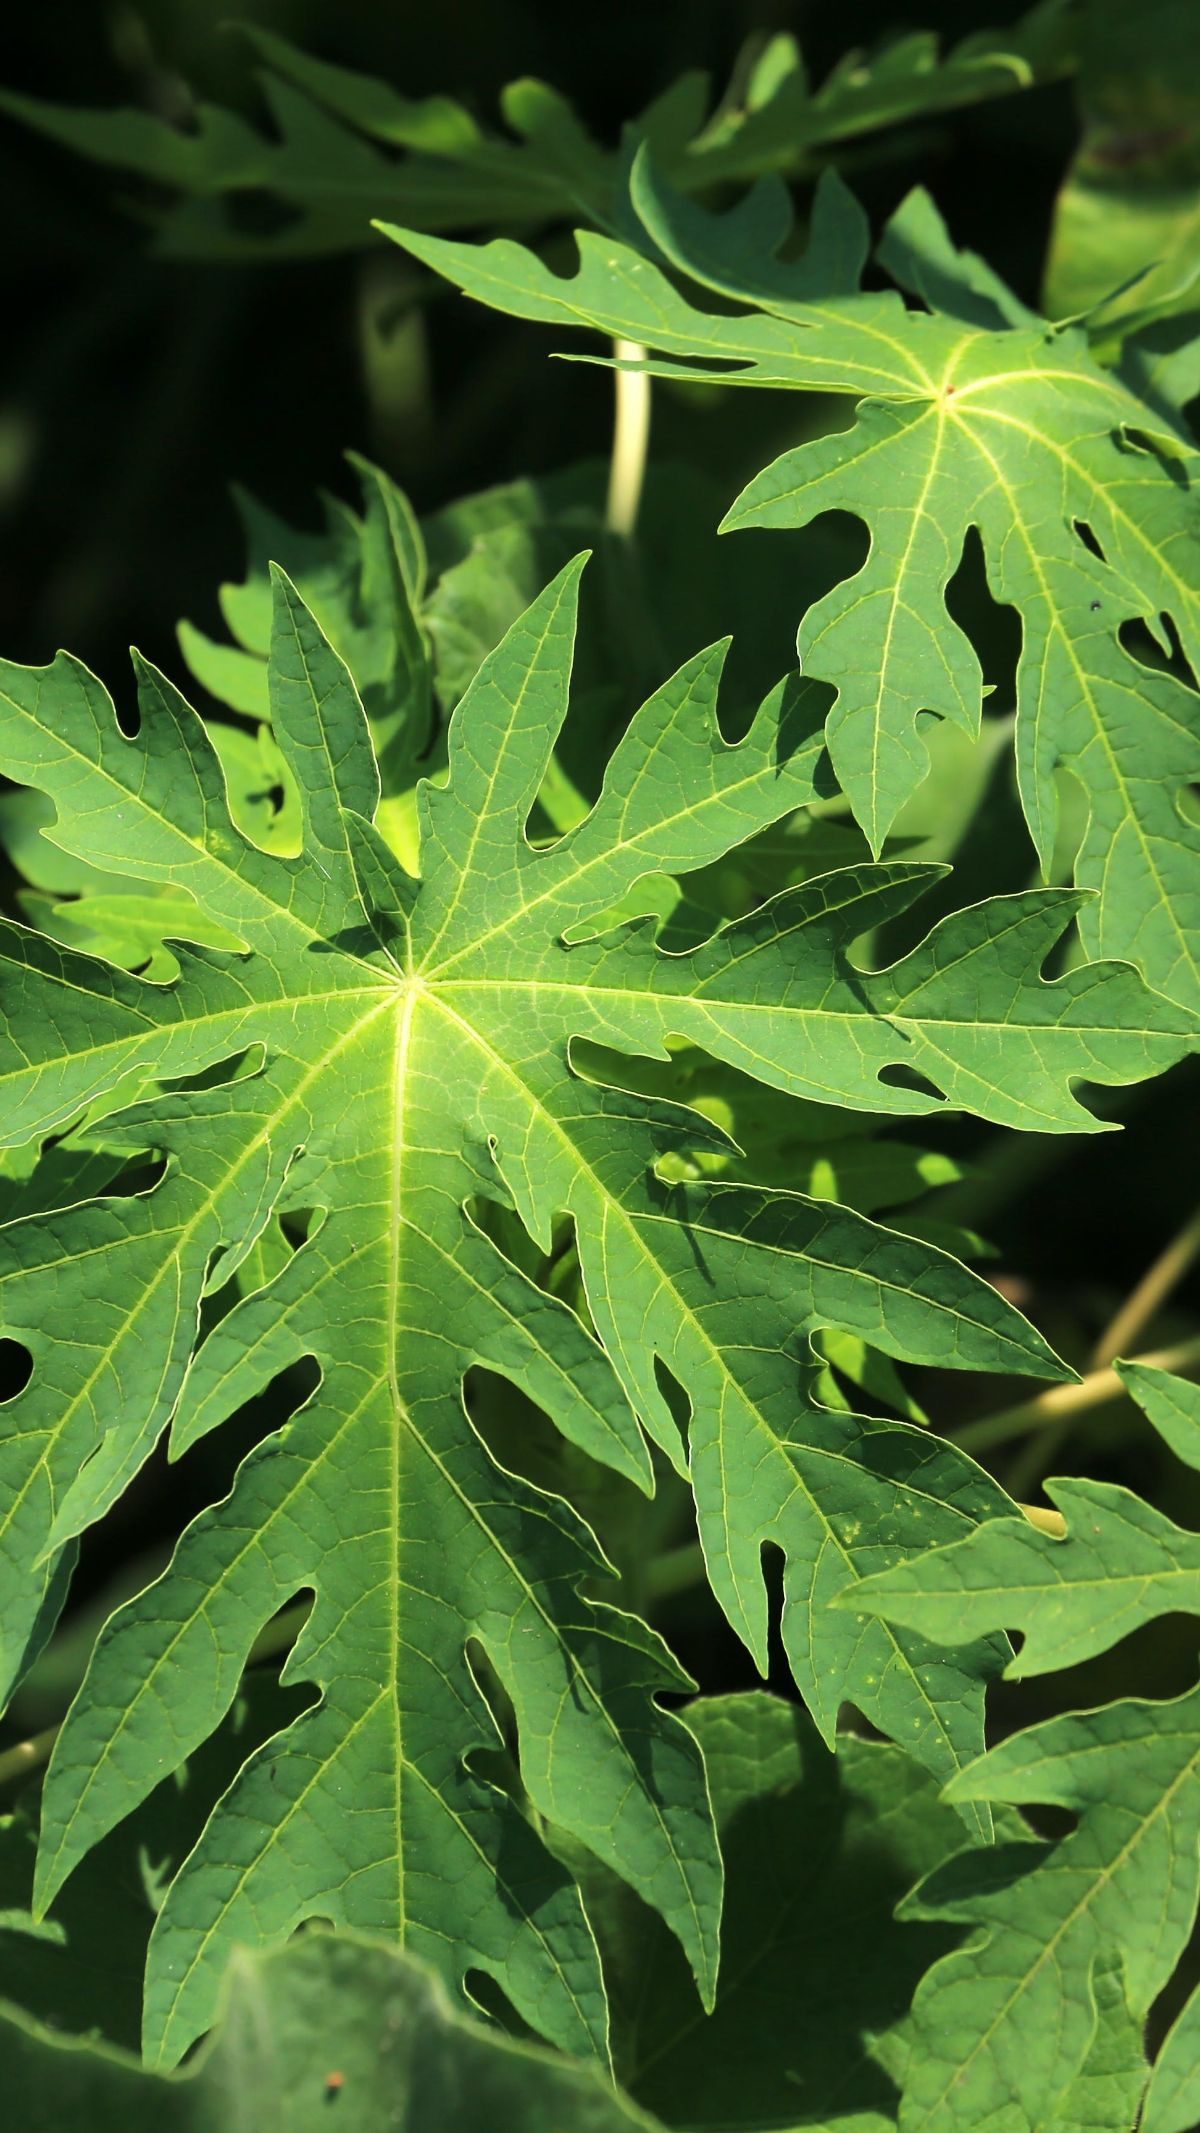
[(501, 1712), (16, 1368), (1087, 535), (677, 1401), (275, 1639), (236, 1068), (992, 626), (138, 1177), (774, 1570), (899, 1075)]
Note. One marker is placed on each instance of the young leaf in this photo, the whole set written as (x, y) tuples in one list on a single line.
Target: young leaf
[(1003, 2026), (974, 414), (332, 2021), (1121, 1562)]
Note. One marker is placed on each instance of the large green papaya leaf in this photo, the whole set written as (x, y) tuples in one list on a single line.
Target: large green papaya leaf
[(378, 1058)]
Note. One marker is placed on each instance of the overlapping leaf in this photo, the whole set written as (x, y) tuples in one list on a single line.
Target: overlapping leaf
[(389, 1055), (817, 1853), (1002, 2029), (974, 414), (333, 2023), (1125, 242), (1122, 1562), (333, 164), (1173, 2097)]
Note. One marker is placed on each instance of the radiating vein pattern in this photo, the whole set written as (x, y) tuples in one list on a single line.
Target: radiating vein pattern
[(973, 413), (379, 1057)]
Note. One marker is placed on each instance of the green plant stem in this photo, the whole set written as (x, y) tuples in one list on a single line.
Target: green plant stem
[(27, 1755), (1151, 1293), (676, 1571), (631, 440), (1064, 1402)]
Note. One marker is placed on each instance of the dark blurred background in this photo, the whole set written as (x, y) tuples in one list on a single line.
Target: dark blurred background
[(134, 390)]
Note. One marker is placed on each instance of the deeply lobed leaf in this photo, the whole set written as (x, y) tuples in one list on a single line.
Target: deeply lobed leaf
[(379, 1056), (973, 414)]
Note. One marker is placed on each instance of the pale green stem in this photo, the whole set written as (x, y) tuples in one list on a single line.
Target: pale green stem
[(631, 439), (1064, 1402), (676, 1571), (16, 1763), (1147, 1299)]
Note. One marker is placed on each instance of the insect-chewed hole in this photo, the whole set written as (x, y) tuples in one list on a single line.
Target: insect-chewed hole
[(899, 1075), (16, 1368), (1087, 535)]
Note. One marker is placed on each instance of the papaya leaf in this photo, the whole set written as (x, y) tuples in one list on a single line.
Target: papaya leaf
[(394, 1054), (973, 413), (1121, 1562)]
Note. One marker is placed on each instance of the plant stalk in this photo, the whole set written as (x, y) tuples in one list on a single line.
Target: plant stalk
[(631, 440), (1063, 1402), (1152, 1291), (28, 1755)]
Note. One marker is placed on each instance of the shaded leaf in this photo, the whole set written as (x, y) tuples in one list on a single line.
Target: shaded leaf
[(1121, 1562), (1009, 2020), (330, 2022)]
